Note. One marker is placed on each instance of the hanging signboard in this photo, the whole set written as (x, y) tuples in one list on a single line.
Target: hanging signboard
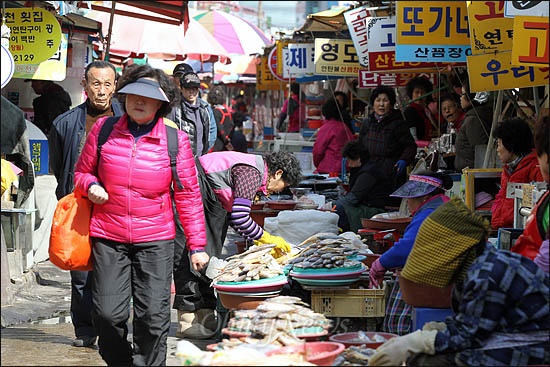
[(299, 59), (55, 68), (273, 63), (336, 57), (281, 46), (381, 35), (35, 34), (530, 45), (357, 27), (369, 79), (264, 77), (526, 8), (489, 72), (432, 31), (490, 31)]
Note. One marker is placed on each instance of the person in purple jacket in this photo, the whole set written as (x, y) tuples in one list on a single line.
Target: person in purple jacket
[(425, 192)]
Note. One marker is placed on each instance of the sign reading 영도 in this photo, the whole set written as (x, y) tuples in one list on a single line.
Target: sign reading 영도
[(336, 57), (35, 34)]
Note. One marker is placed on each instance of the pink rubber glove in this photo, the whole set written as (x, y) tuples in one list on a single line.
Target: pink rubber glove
[(376, 274)]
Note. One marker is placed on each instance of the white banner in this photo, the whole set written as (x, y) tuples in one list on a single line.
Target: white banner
[(356, 20)]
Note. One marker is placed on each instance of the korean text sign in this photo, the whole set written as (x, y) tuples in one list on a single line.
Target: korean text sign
[(381, 36), (264, 77), (432, 31), (494, 72), (490, 31), (336, 57), (299, 59), (530, 45), (368, 79), (35, 34), (356, 20)]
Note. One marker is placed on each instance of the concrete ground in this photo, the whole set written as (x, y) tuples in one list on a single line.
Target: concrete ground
[(36, 326)]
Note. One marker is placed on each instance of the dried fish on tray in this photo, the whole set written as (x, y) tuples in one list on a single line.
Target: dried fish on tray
[(279, 320), (324, 251), (254, 264), (354, 356)]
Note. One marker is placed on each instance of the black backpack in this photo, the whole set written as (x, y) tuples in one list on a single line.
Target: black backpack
[(172, 136), (292, 106)]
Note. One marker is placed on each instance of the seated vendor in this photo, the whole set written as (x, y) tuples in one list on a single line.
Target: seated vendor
[(500, 299), (368, 189)]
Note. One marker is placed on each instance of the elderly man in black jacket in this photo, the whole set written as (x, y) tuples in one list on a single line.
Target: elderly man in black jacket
[(66, 139)]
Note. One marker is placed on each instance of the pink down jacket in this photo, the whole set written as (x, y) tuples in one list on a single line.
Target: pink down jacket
[(137, 176)]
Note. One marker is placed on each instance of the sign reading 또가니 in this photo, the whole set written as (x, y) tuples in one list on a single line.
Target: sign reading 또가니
[(432, 31)]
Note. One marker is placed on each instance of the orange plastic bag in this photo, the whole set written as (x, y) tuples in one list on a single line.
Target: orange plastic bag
[(70, 244)]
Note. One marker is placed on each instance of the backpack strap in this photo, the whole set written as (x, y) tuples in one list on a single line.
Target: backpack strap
[(173, 147), (104, 133)]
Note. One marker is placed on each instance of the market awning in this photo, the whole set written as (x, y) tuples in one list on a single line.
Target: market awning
[(171, 12), (331, 20), (79, 23)]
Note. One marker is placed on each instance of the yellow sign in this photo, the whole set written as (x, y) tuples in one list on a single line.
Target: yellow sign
[(432, 23), (336, 57), (494, 72), (490, 31), (55, 68), (281, 44), (35, 34), (530, 46), (264, 77)]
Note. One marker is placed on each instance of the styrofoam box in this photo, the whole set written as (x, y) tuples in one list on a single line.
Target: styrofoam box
[(305, 159)]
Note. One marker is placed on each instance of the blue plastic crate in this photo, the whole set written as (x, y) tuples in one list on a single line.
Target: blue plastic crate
[(307, 132)]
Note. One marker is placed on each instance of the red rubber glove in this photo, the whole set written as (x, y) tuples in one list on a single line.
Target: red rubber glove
[(376, 274)]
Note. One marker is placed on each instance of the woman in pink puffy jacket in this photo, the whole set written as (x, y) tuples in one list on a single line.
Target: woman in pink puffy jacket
[(331, 138), (132, 224)]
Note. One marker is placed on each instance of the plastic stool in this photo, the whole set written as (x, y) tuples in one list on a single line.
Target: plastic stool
[(422, 315)]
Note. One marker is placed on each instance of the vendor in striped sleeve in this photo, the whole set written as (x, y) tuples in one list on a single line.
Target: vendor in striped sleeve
[(500, 299)]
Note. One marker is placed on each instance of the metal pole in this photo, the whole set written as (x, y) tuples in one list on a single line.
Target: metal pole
[(536, 99), (111, 19), (496, 118)]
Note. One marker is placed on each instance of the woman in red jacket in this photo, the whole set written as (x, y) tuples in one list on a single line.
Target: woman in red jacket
[(515, 150), (331, 138), (534, 241), (132, 225)]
